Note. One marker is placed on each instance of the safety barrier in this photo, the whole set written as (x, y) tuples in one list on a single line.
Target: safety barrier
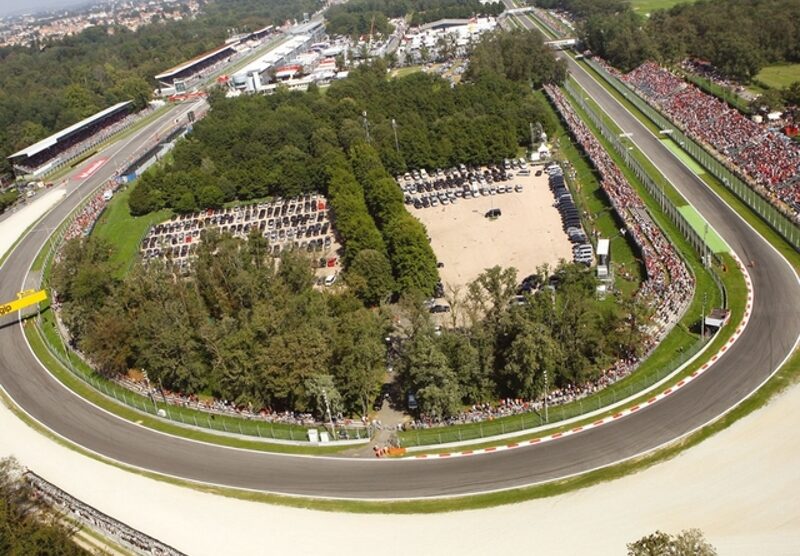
[(88, 516)]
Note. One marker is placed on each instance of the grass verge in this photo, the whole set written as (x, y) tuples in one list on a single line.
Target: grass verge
[(779, 75), (125, 231)]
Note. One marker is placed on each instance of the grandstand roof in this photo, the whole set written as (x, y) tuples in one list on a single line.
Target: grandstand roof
[(48, 142), (196, 60)]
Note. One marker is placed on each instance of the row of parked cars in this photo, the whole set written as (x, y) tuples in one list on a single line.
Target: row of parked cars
[(423, 190), (297, 223), (582, 251)]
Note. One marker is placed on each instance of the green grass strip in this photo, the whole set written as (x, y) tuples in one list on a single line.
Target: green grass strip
[(123, 231), (698, 223)]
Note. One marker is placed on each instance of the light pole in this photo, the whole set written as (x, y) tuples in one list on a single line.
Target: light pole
[(366, 126), (396, 142), (703, 318), (328, 411)]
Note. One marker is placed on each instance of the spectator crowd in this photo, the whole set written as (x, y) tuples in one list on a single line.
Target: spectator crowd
[(767, 159), (76, 145)]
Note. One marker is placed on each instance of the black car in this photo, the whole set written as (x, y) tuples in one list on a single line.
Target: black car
[(493, 213), (440, 309)]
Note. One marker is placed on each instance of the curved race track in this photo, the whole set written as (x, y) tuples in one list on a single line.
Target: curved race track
[(768, 339)]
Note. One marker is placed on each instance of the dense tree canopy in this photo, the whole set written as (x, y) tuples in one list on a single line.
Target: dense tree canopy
[(738, 37), (519, 56), (507, 347), (53, 84), (243, 328)]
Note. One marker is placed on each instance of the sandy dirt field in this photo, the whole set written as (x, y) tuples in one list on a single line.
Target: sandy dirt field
[(528, 233)]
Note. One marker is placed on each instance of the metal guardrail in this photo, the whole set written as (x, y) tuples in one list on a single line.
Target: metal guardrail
[(88, 516), (733, 182)]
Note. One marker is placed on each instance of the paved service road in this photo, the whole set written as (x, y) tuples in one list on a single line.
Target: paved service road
[(770, 336)]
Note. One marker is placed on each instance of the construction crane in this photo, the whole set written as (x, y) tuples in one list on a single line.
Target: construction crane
[(24, 299)]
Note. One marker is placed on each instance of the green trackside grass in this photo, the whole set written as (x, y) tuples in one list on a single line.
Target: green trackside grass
[(649, 6), (779, 75), (231, 424), (682, 340), (124, 231), (787, 376), (728, 196), (402, 72)]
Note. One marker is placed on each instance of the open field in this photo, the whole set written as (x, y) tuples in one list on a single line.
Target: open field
[(527, 234), (408, 70), (649, 6), (779, 76), (124, 231)]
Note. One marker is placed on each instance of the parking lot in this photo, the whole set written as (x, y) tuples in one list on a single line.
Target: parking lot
[(301, 223), (527, 233)]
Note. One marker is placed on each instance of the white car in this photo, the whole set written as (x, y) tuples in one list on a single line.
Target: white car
[(330, 280)]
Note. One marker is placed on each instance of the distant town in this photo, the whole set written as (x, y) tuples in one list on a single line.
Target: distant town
[(43, 26)]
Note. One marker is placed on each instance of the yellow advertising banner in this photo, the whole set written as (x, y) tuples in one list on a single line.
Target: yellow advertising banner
[(25, 299)]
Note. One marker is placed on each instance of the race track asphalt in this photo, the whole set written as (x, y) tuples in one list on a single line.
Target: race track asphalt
[(771, 335)]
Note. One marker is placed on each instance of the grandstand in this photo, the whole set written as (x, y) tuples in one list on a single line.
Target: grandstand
[(49, 153), (181, 76)]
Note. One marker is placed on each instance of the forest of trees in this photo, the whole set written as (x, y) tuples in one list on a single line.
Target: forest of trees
[(739, 37), (253, 331), (249, 329), (27, 528), (507, 347), (357, 17), (256, 146), (243, 328), (53, 84)]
